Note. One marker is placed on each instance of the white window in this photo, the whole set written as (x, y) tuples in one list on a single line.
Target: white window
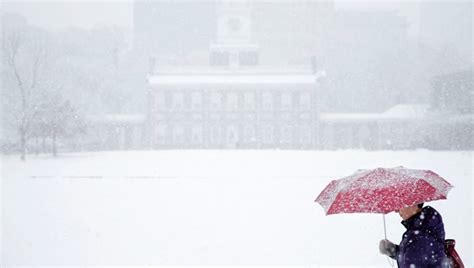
[(267, 100), (286, 134), (249, 100), (216, 100), (196, 134), (286, 100), (216, 134), (232, 134), (232, 101), (160, 100), (305, 100), (196, 100), (267, 134), (249, 133), (178, 100), (178, 134), (160, 133)]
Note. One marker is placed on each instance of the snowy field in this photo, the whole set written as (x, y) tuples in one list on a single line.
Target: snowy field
[(244, 208)]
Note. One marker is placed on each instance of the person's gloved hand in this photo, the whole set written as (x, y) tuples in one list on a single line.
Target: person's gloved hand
[(388, 248)]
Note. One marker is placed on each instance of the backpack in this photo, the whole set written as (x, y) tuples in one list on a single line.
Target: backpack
[(453, 256)]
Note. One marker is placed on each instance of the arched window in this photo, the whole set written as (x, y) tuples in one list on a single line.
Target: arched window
[(178, 100), (216, 100), (267, 100), (249, 100), (196, 100), (286, 101), (232, 101)]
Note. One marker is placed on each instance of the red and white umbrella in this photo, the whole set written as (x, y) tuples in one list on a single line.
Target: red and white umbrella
[(382, 190)]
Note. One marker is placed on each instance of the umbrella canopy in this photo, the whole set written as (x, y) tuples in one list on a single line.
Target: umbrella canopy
[(382, 190)]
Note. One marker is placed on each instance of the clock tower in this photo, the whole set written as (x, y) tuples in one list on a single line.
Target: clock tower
[(234, 46)]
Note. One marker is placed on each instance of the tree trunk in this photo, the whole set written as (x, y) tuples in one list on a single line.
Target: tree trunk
[(37, 145), (22, 144), (43, 144), (54, 144), (23, 147)]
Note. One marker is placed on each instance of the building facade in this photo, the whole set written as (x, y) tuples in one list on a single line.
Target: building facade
[(234, 102), (233, 109)]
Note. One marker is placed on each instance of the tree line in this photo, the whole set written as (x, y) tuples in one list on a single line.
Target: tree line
[(52, 81)]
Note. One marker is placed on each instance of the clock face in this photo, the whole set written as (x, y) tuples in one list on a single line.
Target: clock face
[(234, 24)]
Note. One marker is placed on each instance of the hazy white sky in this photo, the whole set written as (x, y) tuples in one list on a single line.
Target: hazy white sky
[(59, 14), (55, 15)]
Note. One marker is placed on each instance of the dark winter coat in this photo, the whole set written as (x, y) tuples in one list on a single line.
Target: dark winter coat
[(422, 245)]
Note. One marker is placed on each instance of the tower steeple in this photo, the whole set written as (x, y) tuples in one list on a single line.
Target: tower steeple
[(234, 46)]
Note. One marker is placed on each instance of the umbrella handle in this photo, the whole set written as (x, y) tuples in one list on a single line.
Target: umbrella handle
[(390, 261)]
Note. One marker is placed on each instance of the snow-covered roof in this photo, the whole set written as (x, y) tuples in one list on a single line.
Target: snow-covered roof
[(295, 75), (118, 118), (349, 117), (407, 111), (232, 79), (230, 44), (207, 69), (397, 112)]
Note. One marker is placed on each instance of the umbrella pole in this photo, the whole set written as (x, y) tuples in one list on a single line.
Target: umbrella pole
[(390, 261)]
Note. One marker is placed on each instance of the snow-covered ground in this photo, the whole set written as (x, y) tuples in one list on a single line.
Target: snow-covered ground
[(208, 207)]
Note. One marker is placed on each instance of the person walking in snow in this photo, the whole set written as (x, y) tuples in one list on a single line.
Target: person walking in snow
[(422, 244)]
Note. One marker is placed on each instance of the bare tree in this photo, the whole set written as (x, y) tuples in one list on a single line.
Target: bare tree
[(24, 51)]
